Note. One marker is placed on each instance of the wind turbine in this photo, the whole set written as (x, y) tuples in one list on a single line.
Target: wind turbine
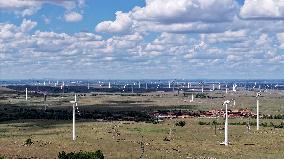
[(109, 85), (26, 94), (74, 105), (169, 84), (139, 85), (226, 143), (219, 86), (202, 89), (191, 98), (257, 110), (146, 86), (234, 87), (226, 89)]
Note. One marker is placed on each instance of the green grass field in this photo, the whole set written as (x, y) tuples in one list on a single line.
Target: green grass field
[(120, 139), (123, 140)]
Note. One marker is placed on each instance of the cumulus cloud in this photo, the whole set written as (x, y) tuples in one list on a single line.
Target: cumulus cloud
[(30, 7), (121, 24), (182, 11), (280, 38), (174, 16), (227, 36), (193, 33), (27, 25), (263, 9), (73, 17)]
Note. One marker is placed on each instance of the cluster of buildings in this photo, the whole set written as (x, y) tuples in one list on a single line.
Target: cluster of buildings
[(233, 113)]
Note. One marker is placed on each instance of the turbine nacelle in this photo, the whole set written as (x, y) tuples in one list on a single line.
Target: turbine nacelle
[(226, 102), (258, 94)]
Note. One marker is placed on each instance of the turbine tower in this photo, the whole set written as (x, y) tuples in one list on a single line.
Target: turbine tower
[(169, 84), (109, 85), (234, 87), (26, 94), (226, 89), (257, 110), (73, 130), (191, 98), (226, 143)]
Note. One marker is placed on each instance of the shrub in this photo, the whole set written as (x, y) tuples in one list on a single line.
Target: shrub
[(200, 95), (81, 155), (203, 123), (180, 123), (28, 142)]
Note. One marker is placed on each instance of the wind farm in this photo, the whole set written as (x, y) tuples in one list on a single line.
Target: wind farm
[(147, 79), (112, 119)]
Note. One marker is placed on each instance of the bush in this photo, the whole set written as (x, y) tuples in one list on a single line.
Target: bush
[(180, 123), (28, 142), (2, 157), (200, 95), (81, 155), (203, 123)]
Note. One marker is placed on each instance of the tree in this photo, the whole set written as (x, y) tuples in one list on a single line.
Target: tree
[(180, 123), (215, 126), (81, 155)]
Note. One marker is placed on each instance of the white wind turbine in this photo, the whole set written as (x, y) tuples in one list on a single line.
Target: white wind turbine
[(226, 143), (26, 93), (226, 89), (202, 86), (234, 87), (74, 118), (257, 110), (191, 98)]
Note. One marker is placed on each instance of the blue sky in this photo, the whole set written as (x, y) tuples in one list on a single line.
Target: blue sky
[(128, 39)]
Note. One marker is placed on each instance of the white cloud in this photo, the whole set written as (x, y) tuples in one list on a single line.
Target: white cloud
[(27, 25), (280, 38), (227, 36), (121, 24), (263, 9), (182, 11), (174, 16), (29, 7), (73, 17)]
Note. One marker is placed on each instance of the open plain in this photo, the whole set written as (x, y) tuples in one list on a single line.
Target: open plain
[(130, 139)]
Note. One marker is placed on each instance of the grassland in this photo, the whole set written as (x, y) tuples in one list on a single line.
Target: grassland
[(121, 139)]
